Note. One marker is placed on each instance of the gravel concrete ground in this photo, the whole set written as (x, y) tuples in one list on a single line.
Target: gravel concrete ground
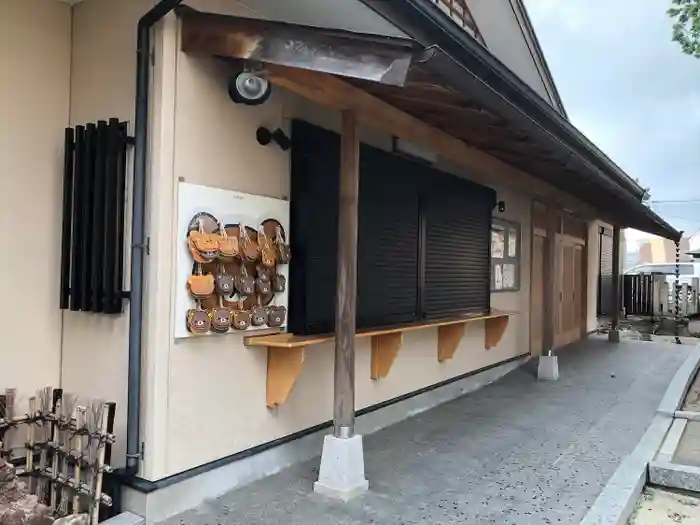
[(516, 452), (659, 507)]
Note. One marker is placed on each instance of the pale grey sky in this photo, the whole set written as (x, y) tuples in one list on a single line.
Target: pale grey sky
[(630, 90)]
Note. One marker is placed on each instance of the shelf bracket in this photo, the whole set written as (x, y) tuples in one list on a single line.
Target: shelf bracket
[(283, 369), (385, 348), (494, 330), (449, 337)]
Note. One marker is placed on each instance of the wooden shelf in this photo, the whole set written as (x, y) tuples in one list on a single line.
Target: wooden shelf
[(285, 352)]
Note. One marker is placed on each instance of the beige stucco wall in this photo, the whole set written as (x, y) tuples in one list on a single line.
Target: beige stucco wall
[(102, 86), (210, 376), (198, 135), (34, 98)]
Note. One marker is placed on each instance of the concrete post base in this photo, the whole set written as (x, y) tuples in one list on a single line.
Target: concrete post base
[(342, 472), (614, 336), (548, 368)]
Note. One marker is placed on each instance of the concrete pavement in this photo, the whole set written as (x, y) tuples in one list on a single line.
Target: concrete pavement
[(516, 452)]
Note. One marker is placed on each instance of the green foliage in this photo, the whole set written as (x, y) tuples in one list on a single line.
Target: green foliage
[(686, 26)]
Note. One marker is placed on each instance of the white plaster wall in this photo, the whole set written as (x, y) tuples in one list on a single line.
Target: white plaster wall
[(34, 98), (504, 38)]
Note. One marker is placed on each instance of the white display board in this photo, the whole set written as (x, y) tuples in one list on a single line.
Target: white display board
[(230, 207)]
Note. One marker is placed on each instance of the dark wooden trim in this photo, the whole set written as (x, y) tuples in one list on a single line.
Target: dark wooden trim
[(550, 299), (346, 285), (616, 279)]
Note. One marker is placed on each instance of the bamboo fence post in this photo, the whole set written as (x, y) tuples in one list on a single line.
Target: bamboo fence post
[(102, 418), (29, 466), (66, 420), (44, 396), (9, 415), (80, 423)]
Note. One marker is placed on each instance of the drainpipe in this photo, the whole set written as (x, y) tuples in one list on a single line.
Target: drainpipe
[(139, 245)]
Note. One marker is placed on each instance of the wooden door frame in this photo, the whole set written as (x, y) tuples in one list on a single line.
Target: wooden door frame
[(549, 316), (562, 239)]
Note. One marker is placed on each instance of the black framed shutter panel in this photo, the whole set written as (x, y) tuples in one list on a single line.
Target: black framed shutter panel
[(314, 225), (388, 240), (605, 283), (457, 222)]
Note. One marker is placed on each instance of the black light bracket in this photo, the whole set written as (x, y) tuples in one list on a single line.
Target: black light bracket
[(264, 137), (501, 205)]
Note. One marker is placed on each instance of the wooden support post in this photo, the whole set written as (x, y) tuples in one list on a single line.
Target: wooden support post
[(550, 299), (346, 285), (614, 334)]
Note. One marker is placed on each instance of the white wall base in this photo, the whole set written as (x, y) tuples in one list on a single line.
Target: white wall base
[(614, 336), (548, 368), (167, 501), (342, 472)]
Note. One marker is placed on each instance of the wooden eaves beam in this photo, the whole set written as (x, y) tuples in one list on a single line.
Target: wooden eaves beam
[(333, 92)]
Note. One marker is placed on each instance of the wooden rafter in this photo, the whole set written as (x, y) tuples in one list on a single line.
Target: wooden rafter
[(336, 93)]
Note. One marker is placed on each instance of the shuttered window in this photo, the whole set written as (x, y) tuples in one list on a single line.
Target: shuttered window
[(457, 217), (387, 262), (423, 237)]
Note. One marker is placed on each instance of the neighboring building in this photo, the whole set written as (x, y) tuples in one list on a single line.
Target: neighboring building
[(658, 250), (510, 214)]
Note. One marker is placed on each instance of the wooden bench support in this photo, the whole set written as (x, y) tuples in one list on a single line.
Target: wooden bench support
[(285, 352), (494, 330), (385, 347), (283, 369), (449, 337)]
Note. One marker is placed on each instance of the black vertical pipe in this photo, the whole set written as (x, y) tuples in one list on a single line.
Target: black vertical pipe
[(138, 228), (119, 232), (98, 215), (76, 299), (110, 208), (88, 180), (69, 149)]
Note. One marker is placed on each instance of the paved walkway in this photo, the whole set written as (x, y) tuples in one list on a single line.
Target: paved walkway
[(516, 452)]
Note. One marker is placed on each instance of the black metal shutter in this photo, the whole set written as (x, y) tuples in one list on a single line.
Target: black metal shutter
[(314, 225), (387, 234), (457, 217), (387, 268), (605, 285)]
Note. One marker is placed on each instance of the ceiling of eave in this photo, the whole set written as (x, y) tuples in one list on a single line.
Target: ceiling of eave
[(462, 117)]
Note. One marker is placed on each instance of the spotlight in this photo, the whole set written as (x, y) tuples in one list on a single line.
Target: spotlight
[(245, 87), (501, 206), (264, 136)]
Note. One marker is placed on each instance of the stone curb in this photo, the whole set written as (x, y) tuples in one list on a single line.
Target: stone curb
[(618, 499), (125, 518)]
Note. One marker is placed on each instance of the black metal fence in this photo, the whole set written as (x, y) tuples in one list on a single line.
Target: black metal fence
[(638, 294), (94, 186)]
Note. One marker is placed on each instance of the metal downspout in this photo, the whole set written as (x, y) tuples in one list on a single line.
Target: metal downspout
[(138, 226)]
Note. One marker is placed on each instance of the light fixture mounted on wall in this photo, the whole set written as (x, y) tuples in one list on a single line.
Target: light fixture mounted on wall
[(501, 205), (249, 87), (264, 137)]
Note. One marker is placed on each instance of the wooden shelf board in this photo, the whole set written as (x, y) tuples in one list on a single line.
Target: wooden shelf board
[(285, 340)]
